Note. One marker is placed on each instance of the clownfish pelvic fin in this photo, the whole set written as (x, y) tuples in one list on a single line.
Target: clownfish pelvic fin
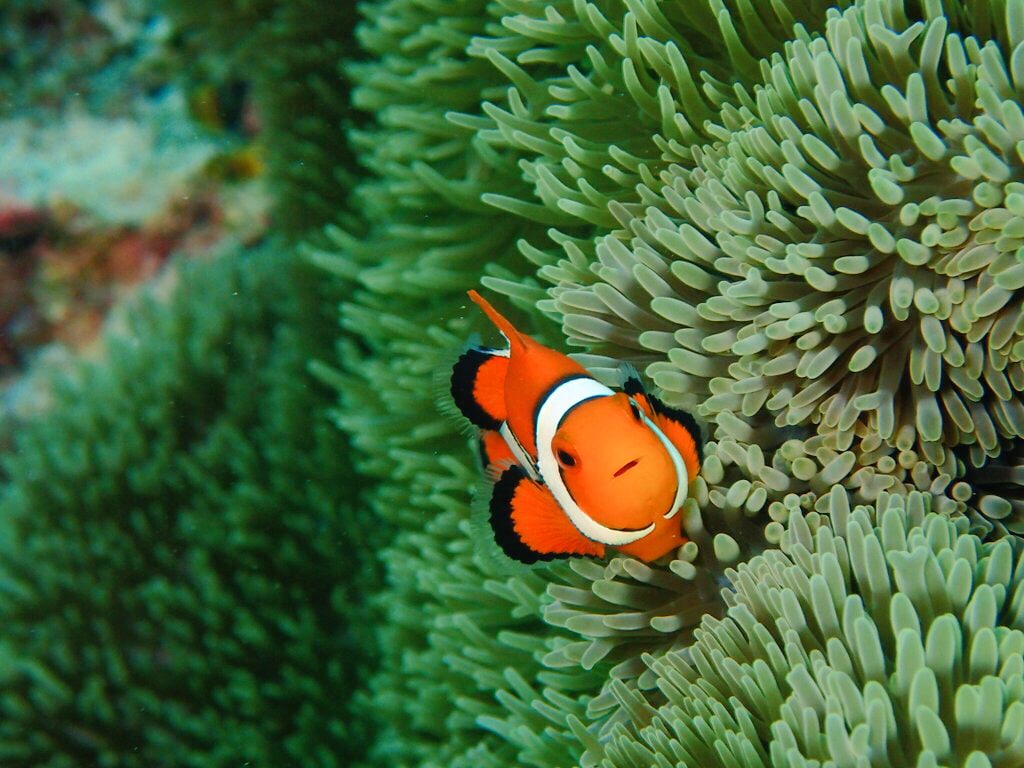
[(494, 451), (529, 525)]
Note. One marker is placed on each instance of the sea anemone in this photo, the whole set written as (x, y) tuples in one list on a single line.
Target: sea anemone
[(171, 530), (742, 201), (460, 643), (821, 236), (883, 635)]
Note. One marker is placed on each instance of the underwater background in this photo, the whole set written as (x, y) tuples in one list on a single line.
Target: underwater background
[(236, 523)]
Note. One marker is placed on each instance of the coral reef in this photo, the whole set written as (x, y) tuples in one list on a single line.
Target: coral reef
[(183, 577), (801, 220), (90, 207), (53, 52), (118, 171)]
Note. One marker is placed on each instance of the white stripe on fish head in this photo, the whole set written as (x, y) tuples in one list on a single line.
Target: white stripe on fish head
[(556, 405), (682, 478)]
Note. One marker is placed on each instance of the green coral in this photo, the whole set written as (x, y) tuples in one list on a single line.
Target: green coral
[(181, 573), (885, 635)]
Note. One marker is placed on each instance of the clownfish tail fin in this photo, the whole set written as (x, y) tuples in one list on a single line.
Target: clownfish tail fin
[(441, 386), (500, 321)]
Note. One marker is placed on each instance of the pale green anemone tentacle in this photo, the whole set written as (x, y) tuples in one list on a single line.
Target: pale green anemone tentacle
[(883, 635)]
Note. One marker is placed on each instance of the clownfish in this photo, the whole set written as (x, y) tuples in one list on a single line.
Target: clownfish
[(578, 466)]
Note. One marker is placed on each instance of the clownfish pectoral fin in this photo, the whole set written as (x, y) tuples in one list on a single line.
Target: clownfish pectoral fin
[(494, 451), (630, 378), (478, 386), (680, 428), (529, 525), (633, 387)]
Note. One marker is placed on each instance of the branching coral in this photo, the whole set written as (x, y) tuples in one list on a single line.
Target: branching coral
[(181, 573), (885, 635)]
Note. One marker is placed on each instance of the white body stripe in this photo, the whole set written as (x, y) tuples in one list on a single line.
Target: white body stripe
[(557, 404), (554, 409), (522, 457)]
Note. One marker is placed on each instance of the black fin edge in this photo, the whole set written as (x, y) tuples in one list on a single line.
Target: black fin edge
[(463, 377), (633, 386), (481, 446), (683, 418), (501, 520)]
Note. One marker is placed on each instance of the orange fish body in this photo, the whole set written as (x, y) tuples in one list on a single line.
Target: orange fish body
[(580, 467)]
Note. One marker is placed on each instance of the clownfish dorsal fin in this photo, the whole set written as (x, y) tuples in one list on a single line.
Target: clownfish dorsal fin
[(529, 525), (516, 340)]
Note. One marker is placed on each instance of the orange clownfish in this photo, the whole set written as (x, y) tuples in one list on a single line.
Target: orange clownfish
[(579, 467)]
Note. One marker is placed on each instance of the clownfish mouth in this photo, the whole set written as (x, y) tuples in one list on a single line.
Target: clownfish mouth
[(626, 467)]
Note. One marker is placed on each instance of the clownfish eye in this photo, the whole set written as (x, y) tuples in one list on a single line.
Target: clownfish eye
[(566, 459), (635, 409)]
